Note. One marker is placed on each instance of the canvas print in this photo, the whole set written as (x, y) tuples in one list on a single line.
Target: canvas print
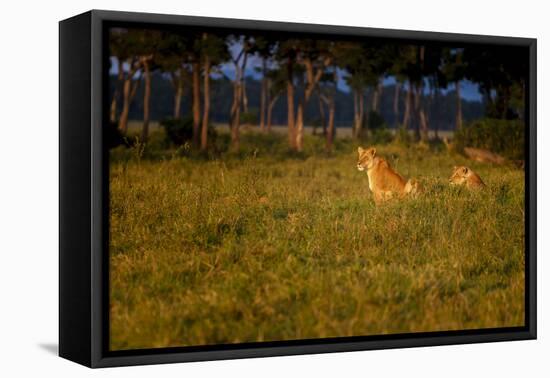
[(272, 186)]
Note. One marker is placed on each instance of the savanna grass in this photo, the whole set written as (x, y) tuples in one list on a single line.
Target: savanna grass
[(259, 246)]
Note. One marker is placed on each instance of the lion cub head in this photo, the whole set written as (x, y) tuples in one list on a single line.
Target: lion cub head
[(366, 158), (465, 176)]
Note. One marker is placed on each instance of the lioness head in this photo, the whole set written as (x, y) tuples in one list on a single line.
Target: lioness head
[(460, 175), (366, 158)]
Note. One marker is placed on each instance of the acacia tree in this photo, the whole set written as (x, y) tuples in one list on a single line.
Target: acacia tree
[(307, 60), (405, 73), (366, 65), (144, 44), (410, 65), (500, 74), (146, 62), (264, 47), (315, 57), (213, 52), (240, 47), (193, 56), (173, 60), (286, 57), (114, 101), (328, 97), (276, 85), (453, 71), (432, 72), (123, 45)]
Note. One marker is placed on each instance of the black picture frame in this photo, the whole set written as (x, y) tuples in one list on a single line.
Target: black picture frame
[(83, 194)]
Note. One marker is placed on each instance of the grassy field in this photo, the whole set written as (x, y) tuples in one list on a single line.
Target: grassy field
[(269, 246)]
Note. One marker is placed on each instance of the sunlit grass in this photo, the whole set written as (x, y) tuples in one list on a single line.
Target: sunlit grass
[(257, 247)]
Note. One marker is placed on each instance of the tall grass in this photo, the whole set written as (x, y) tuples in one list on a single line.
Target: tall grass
[(261, 246)]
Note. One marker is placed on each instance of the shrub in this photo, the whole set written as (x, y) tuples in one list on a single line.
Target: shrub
[(380, 134), (505, 137), (178, 131), (113, 135), (402, 136), (375, 121), (250, 117)]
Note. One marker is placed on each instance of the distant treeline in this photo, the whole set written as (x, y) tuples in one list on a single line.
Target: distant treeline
[(201, 73), (441, 107)]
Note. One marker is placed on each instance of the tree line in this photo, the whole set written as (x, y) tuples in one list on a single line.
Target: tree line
[(302, 69), (441, 110)]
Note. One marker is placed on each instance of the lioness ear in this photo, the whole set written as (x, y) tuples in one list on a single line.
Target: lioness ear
[(372, 151), (360, 150), (465, 170)]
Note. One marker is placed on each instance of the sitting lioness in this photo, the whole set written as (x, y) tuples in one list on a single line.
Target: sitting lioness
[(384, 182), (465, 176)]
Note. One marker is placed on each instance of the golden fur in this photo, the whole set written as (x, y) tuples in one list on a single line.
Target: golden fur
[(465, 176), (384, 182)]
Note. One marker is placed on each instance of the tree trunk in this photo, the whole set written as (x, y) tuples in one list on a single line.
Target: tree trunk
[(177, 101), (178, 95), (420, 105), (112, 111), (376, 97), (236, 117), (331, 112), (290, 104), (239, 97), (196, 102), (416, 114), (146, 100), (421, 126), (321, 115), (408, 106), (435, 125), (458, 107), (245, 97), (114, 102), (313, 77), (123, 120), (299, 126), (263, 96), (270, 106), (206, 110), (424, 127), (331, 131), (128, 91), (396, 104)]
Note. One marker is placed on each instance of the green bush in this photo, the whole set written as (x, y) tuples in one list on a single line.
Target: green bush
[(505, 137), (375, 121), (250, 117), (381, 136), (114, 137), (379, 132), (402, 136), (178, 131)]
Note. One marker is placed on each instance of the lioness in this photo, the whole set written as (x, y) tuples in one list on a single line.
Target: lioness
[(384, 182), (465, 176)]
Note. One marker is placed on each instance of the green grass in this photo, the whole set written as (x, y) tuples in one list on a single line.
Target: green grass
[(258, 246)]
